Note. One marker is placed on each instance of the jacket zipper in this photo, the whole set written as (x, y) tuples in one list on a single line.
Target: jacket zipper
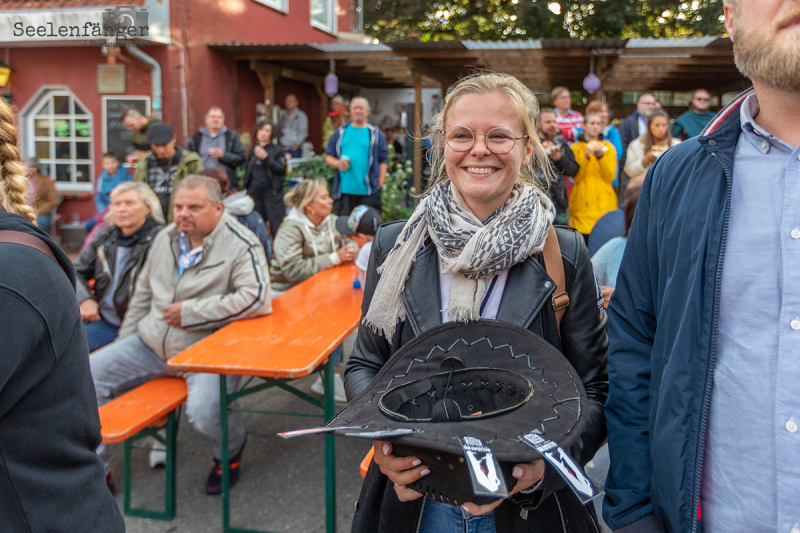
[(560, 512), (410, 318), (101, 254), (419, 520), (166, 333), (712, 356)]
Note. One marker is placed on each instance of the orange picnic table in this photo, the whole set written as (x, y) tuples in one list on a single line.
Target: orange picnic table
[(306, 325)]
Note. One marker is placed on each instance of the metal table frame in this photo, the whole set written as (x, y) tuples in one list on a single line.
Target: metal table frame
[(330, 445)]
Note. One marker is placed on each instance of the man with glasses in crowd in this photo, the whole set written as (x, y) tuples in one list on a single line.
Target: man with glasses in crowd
[(634, 126), (359, 156), (691, 123)]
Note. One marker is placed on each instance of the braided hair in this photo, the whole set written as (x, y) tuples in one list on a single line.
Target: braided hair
[(12, 172)]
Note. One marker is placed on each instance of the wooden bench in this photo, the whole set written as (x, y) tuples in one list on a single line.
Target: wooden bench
[(131, 417)]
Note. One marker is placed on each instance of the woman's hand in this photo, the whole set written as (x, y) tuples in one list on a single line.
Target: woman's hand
[(348, 253), (343, 165), (400, 470), (260, 152), (90, 311), (527, 474), (607, 292), (650, 157)]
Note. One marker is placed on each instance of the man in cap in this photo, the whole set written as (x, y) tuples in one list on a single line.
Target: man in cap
[(166, 166), (361, 226)]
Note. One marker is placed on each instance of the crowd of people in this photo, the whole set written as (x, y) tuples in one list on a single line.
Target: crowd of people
[(682, 320)]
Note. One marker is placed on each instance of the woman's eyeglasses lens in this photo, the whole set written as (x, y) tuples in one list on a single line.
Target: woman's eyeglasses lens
[(498, 140)]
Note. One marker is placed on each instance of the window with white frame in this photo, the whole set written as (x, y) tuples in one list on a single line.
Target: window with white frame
[(280, 5), (323, 15), (61, 138)]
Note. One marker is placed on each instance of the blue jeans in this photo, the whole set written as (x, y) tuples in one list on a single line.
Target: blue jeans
[(443, 518), (99, 333), (296, 154), (337, 355)]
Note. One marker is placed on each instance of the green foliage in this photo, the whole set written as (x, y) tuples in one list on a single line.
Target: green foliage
[(395, 198), (396, 203), (498, 20), (316, 167)]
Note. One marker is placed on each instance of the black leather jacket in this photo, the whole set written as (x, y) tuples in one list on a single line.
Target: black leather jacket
[(273, 168), (98, 261), (527, 303)]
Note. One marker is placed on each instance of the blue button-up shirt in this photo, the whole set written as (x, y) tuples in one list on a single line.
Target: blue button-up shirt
[(751, 477)]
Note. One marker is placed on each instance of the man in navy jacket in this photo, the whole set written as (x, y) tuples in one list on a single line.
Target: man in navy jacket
[(704, 325), (359, 156)]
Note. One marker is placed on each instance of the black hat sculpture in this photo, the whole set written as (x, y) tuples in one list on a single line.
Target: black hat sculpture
[(464, 389)]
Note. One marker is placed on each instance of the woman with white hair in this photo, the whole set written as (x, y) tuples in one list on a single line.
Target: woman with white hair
[(114, 259), (472, 250)]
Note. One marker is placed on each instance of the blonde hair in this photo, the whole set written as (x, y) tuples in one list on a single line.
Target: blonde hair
[(12, 172), (303, 193), (523, 102), (596, 106), (146, 195)]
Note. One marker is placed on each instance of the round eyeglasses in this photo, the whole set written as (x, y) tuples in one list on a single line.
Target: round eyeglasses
[(498, 140)]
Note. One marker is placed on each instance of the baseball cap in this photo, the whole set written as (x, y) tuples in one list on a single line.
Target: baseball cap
[(160, 133), (363, 219)]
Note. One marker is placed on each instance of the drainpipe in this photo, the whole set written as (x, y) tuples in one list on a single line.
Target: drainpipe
[(184, 100), (155, 77)]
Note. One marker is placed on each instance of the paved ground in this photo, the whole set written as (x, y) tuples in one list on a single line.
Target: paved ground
[(282, 483)]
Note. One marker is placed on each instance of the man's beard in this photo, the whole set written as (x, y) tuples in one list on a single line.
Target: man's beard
[(764, 60)]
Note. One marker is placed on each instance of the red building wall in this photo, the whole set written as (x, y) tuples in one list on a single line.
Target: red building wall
[(210, 77), (75, 68)]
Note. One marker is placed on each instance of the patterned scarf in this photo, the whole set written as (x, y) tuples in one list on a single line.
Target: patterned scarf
[(470, 250)]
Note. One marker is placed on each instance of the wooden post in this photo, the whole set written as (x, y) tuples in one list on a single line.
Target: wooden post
[(323, 108), (267, 77), (417, 131)]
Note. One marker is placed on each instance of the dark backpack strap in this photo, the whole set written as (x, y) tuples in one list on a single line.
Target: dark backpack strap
[(554, 265), (26, 239)]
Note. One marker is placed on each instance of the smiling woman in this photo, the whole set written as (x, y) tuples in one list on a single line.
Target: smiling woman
[(471, 250)]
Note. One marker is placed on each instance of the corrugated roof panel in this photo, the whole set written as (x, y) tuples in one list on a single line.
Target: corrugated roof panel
[(663, 42), (410, 44), (264, 47), (351, 47), (584, 43), (528, 44)]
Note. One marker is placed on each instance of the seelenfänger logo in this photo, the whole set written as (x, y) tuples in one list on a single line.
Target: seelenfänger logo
[(119, 22)]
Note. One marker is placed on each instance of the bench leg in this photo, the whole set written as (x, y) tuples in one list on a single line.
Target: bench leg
[(171, 468), (330, 451), (226, 483)]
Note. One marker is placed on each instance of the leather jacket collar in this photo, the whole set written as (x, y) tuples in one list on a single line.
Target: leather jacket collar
[(421, 292)]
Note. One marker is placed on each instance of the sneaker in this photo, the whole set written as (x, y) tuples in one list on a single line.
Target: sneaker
[(112, 488), (214, 481), (338, 388), (317, 387), (158, 455)]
